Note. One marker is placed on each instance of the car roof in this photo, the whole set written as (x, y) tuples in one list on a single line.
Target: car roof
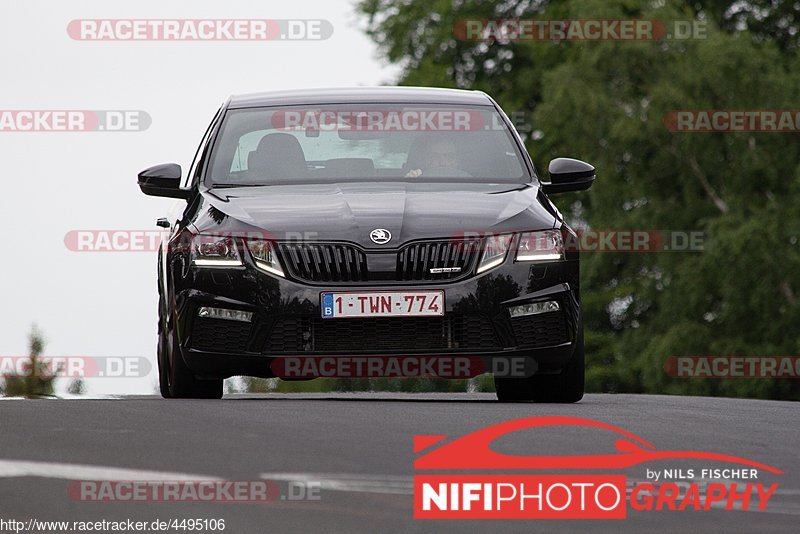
[(379, 95)]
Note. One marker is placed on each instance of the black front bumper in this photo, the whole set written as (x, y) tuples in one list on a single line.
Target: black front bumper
[(287, 320)]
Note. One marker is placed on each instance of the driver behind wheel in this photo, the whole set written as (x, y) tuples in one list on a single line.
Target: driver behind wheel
[(436, 157)]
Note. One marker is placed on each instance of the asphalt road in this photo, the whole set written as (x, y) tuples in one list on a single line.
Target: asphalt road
[(358, 450)]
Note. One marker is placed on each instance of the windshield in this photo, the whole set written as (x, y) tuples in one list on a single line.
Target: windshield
[(357, 142)]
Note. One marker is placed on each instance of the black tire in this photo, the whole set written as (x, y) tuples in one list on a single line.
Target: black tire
[(182, 382), (175, 379), (163, 367), (566, 387), (162, 356)]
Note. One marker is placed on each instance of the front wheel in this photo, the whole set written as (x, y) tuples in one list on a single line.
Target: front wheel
[(175, 379), (566, 387), (163, 367)]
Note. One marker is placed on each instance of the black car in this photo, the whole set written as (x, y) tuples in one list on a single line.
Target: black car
[(372, 222)]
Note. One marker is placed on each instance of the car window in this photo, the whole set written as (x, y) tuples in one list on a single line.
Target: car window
[(265, 146), (319, 149)]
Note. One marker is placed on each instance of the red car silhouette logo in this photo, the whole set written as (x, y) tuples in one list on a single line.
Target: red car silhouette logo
[(473, 451)]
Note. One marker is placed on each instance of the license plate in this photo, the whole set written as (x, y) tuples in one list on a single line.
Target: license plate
[(382, 304)]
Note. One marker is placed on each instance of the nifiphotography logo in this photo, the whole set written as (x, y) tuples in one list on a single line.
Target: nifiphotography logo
[(494, 488)]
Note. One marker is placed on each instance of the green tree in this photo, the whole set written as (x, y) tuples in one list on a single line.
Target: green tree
[(38, 381), (76, 387)]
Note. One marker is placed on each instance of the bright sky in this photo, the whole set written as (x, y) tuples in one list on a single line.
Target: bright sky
[(104, 304)]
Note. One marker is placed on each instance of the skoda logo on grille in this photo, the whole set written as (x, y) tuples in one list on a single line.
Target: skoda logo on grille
[(380, 236)]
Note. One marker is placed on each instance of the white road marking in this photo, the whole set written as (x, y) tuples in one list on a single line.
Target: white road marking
[(67, 396), (24, 468), (358, 483)]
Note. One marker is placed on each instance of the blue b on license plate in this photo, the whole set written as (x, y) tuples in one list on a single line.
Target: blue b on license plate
[(382, 304)]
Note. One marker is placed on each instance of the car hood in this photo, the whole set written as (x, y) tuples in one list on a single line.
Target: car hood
[(350, 211)]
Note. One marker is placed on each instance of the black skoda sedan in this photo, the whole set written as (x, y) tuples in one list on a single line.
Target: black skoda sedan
[(366, 225)]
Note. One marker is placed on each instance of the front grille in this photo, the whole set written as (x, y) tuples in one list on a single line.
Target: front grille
[(381, 334), (219, 335), (341, 262), (415, 261), (324, 262), (542, 330)]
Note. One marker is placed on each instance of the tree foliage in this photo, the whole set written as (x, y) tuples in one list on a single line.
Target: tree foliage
[(38, 380)]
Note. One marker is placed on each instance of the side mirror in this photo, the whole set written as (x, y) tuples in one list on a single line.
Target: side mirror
[(163, 181), (567, 174)]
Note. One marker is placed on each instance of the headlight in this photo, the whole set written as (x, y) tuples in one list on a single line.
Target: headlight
[(547, 245), (494, 252), (214, 251), (264, 255)]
